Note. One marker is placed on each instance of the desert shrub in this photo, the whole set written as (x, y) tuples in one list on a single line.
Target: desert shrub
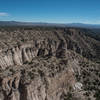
[(97, 95)]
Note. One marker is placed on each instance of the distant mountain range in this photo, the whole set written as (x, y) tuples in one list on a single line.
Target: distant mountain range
[(79, 25)]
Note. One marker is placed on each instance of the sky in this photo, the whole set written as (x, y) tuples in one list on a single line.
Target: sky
[(51, 11)]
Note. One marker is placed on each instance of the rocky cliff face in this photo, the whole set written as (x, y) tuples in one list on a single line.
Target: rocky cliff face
[(47, 64), (19, 55), (48, 82)]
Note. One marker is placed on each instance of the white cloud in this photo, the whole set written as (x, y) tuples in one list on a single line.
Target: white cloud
[(3, 14)]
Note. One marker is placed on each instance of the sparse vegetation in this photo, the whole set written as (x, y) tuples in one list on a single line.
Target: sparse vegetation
[(44, 55)]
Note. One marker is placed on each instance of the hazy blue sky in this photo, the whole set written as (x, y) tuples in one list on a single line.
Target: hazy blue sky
[(57, 11)]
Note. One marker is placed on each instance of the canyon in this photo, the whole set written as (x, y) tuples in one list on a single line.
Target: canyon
[(49, 63)]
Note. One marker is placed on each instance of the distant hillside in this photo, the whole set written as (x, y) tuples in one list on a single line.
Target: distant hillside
[(79, 25)]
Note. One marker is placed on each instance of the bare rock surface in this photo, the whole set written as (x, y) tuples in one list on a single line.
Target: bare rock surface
[(41, 63)]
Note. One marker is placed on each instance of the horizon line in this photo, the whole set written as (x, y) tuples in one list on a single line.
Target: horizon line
[(45, 22)]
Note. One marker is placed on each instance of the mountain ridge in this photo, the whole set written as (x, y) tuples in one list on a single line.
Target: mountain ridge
[(77, 25)]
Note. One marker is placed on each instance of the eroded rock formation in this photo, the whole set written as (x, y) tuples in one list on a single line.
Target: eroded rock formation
[(47, 64)]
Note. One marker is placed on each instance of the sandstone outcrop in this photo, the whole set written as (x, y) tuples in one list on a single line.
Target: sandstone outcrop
[(48, 64)]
